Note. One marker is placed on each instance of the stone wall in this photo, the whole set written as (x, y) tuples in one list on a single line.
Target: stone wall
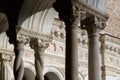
[(113, 24)]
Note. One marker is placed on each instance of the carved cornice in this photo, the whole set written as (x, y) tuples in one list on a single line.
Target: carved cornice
[(32, 34)]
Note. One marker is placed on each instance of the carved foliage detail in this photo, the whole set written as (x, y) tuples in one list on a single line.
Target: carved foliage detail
[(38, 44)]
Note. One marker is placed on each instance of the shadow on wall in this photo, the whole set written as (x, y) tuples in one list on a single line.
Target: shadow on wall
[(3, 23), (28, 74)]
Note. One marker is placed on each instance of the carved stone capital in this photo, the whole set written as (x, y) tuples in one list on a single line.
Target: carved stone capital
[(38, 45), (5, 57), (76, 17), (93, 25), (68, 12), (93, 21), (22, 39)]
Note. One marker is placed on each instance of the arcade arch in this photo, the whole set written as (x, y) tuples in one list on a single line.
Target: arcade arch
[(52, 73)]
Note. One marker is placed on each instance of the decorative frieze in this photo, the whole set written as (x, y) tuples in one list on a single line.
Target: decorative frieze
[(32, 34), (58, 29), (111, 43), (54, 60)]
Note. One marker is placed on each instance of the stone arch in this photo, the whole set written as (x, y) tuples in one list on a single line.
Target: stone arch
[(28, 74), (54, 72), (29, 64), (37, 16), (29, 71)]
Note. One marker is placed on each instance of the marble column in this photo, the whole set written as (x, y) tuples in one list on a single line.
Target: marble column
[(18, 61), (39, 47), (93, 26), (70, 14), (72, 48)]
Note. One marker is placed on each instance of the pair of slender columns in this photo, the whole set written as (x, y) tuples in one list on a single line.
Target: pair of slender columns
[(39, 47), (72, 52), (93, 30), (92, 26)]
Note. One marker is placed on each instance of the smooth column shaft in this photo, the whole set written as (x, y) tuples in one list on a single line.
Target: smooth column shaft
[(71, 53), (94, 54)]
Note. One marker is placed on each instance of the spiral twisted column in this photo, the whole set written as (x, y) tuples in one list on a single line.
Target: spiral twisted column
[(39, 47), (18, 61)]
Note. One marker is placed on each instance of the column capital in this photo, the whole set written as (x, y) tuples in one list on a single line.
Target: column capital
[(5, 57), (75, 17), (70, 14), (39, 45), (93, 25), (93, 21), (22, 39)]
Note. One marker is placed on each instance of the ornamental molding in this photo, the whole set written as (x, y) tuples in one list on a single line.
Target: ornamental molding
[(112, 39), (5, 51), (112, 49), (111, 69), (33, 34), (112, 61), (110, 43)]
